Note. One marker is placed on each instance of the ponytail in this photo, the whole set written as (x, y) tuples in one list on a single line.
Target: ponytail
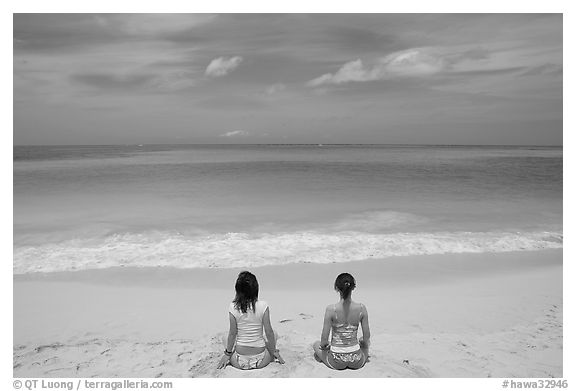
[(345, 284)]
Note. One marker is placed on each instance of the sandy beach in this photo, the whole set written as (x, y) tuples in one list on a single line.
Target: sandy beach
[(455, 315), (156, 156)]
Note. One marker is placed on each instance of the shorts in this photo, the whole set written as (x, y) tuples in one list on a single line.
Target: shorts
[(250, 362), (353, 360)]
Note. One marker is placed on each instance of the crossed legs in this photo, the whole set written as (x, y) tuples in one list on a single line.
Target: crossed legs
[(325, 357), (266, 359)]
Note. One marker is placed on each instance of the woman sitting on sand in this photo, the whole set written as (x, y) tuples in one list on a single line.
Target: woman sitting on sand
[(248, 316), (343, 318)]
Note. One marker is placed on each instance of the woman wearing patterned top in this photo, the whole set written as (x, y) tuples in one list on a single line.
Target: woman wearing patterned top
[(343, 319)]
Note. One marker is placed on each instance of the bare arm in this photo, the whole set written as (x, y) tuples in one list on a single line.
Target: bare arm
[(326, 328), (271, 345), (365, 326), (269, 332), (232, 333)]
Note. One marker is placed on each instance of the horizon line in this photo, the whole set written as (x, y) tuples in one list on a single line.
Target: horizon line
[(296, 144)]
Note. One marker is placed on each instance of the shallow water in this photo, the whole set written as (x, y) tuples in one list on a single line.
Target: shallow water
[(79, 207)]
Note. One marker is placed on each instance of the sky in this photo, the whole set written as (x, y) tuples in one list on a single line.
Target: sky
[(288, 78)]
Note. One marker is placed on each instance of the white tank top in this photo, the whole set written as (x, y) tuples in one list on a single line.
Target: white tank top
[(250, 325)]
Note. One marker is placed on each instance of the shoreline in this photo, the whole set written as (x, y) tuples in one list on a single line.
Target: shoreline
[(418, 264), (453, 315)]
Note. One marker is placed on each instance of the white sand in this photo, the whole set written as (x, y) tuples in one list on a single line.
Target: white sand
[(469, 315)]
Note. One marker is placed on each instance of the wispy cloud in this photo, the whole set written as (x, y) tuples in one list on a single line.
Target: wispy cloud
[(545, 69), (438, 61), (69, 33), (155, 24), (410, 71), (275, 88), (130, 82), (222, 66), (112, 81), (236, 133), (407, 63)]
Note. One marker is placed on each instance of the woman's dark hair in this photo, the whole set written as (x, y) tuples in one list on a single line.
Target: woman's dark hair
[(344, 284), (246, 292)]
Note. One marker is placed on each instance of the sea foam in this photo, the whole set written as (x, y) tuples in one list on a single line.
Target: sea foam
[(250, 250)]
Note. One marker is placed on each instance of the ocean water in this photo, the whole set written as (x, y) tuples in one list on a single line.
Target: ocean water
[(186, 206)]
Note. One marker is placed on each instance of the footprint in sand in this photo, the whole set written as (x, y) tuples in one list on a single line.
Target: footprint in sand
[(41, 348), (184, 356), (83, 365), (416, 370), (301, 315), (51, 360), (206, 366)]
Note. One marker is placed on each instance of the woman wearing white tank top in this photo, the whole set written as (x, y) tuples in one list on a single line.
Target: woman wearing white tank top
[(249, 317)]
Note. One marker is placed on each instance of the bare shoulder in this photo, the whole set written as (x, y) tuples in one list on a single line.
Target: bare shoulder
[(361, 307)]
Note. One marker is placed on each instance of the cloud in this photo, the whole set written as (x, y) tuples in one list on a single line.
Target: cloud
[(174, 81), (235, 133), (545, 69), (113, 81), (152, 24), (275, 88), (221, 66), (82, 32), (126, 82), (407, 63), (359, 39)]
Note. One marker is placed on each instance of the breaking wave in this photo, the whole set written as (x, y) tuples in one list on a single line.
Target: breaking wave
[(230, 250)]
